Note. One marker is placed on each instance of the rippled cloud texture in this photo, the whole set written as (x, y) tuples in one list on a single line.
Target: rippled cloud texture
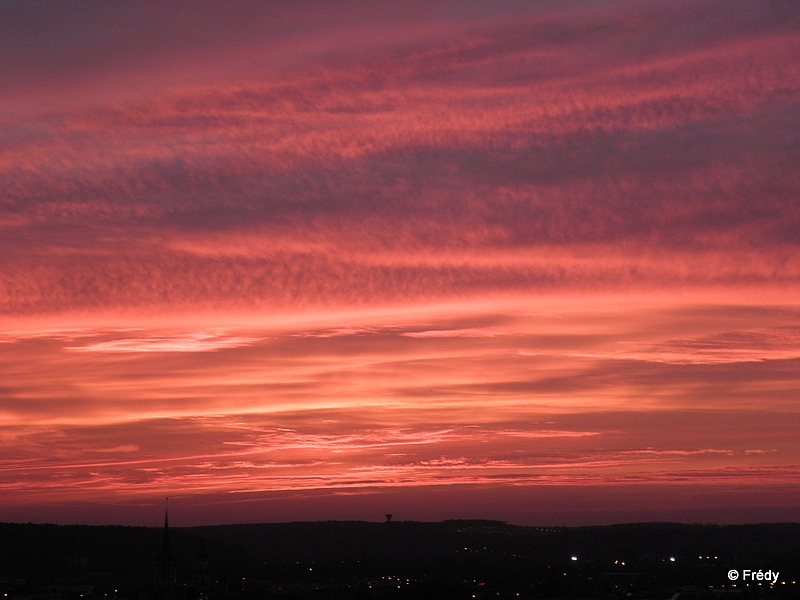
[(529, 261)]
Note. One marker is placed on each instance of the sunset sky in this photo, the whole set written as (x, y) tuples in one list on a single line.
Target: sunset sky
[(531, 261)]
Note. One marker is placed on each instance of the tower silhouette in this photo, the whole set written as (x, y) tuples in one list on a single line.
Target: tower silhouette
[(165, 564)]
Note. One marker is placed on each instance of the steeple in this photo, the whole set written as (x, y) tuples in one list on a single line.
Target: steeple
[(166, 553), (165, 565)]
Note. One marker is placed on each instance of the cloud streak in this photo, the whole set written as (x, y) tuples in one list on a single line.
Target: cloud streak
[(187, 342), (416, 175)]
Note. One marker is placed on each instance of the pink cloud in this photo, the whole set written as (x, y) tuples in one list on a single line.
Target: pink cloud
[(185, 342)]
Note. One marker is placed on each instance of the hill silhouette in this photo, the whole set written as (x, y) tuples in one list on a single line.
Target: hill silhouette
[(365, 559)]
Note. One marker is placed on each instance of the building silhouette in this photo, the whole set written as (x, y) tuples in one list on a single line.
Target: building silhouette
[(166, 576), (202, 573)]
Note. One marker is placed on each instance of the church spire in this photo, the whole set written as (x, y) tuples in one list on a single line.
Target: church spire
[(165, 565), (166, 553)]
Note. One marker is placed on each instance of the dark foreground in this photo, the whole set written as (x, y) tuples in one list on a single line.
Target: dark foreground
[(398, 560)]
